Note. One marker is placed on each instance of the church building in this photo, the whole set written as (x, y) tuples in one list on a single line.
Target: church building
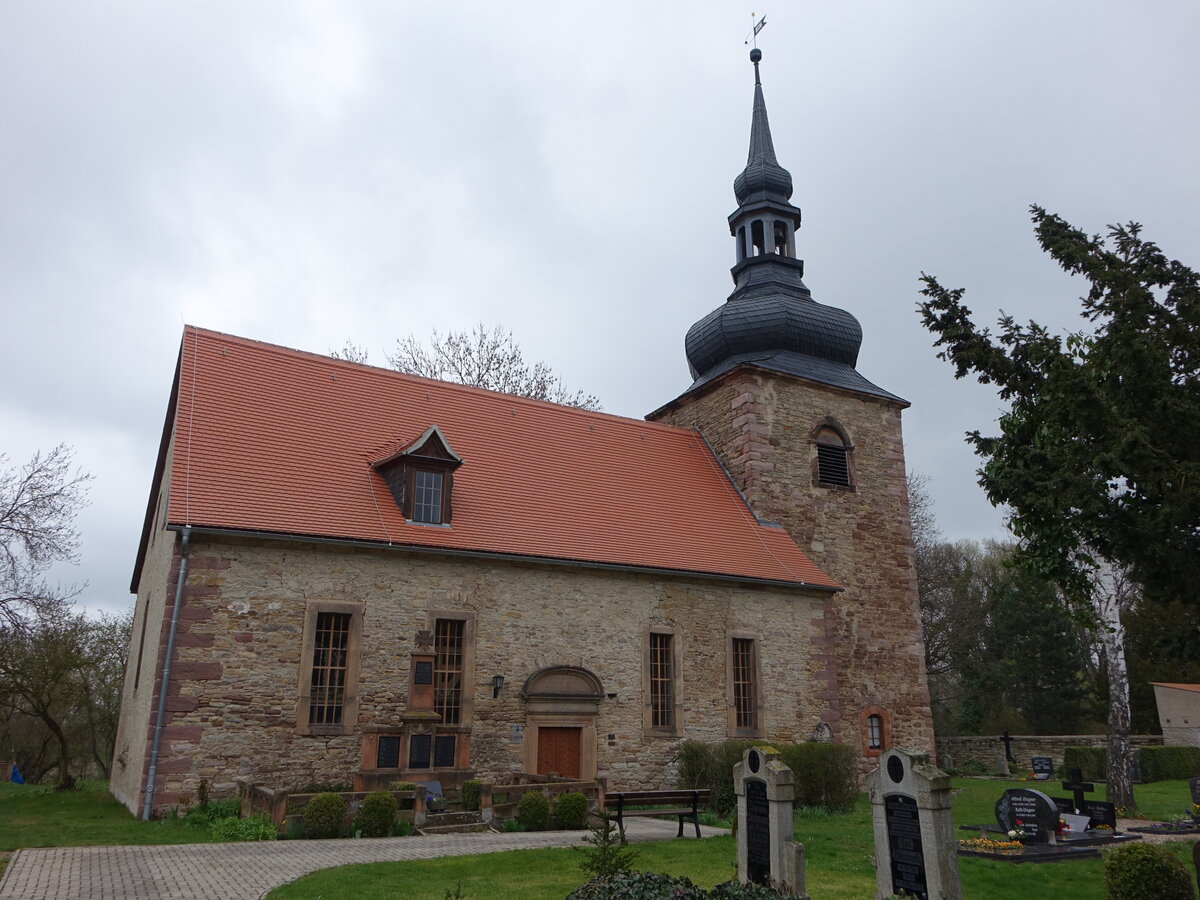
[(349, 574)]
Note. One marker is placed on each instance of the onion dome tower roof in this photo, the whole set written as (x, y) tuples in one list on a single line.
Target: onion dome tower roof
[(771, 320)]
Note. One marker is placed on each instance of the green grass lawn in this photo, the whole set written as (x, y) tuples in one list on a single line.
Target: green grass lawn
[(838, 851), (38, 816)]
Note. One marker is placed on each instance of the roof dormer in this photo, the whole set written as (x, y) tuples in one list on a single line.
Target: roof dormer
[(421, 478)]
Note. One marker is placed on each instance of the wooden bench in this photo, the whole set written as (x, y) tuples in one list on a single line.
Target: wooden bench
[(685, 804)]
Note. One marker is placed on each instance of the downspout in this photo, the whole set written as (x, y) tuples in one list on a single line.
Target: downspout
[(165, 683)]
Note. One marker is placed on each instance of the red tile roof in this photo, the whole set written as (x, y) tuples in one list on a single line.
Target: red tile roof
[(270, 439)]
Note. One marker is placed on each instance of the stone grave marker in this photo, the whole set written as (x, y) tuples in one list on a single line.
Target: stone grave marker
[(1043, 767), (1028, 809), (915, 848), (1078, 787), (1194, 784), (766, 853)]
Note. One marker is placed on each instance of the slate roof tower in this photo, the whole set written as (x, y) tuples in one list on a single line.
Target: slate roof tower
[(816, 447)]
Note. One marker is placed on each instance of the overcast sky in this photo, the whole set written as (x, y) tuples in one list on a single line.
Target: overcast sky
[(302, 173)]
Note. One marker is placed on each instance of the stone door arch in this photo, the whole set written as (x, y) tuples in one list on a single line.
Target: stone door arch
[(560, 703)]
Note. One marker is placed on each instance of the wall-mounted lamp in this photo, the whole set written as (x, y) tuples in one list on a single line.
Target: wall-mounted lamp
[(497, 683)]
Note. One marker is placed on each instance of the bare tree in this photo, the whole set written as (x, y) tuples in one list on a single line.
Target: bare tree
[(48, 672), (352, 352), (38, 503), (484, 357)]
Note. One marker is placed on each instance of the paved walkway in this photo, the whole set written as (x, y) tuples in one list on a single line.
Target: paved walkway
[(228, 871)]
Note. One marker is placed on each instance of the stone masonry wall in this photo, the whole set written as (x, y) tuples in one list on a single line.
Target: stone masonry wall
[(989, 749), (233, 695), (761, 426), (143, 667)]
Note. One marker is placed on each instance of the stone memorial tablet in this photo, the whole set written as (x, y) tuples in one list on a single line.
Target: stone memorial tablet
[(904, 843), (388, 754), (443, 751), (1194, 784), (758, 833), (1043, 768), (1029, 810), (423, 673), (419, 746)]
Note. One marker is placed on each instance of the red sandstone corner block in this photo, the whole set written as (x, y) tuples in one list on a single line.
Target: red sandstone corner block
[(181, 704), (197, 671), (182, 733), (243, 637), (176, 765), (189, 639)]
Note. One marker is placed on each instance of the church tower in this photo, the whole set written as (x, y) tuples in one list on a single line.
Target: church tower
[(817, 448)]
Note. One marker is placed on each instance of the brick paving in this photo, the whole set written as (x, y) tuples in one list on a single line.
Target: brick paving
[(251, 870)]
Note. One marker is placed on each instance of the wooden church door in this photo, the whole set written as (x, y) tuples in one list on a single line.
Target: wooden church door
[(558, 751)]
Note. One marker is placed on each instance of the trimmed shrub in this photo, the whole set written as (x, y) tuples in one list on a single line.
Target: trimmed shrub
[(470, 793), (1167, 763), (826, 774), (638, 886), (533, 811), (511, 825), (1146, 870), (570, 812), (710, 766), (376, 815), (324, 816), (1092, 762), (254, 828)]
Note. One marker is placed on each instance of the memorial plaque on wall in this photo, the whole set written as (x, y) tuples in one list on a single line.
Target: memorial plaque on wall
[(419, 746), (1043, 768), (388, 754), (758, 833), (904, 842), (423, 673), (443, 751)]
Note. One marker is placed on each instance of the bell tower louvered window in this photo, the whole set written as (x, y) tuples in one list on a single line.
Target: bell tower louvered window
[(833, 459)]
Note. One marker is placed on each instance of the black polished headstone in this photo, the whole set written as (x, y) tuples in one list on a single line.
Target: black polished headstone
[(1029, 809), (1043, 767), (904, 843), (758, 833), (1194, 784), (1078, 787)]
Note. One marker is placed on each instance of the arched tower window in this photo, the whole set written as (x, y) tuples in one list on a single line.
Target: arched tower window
[(756, 237), (782, 243), (833, 457)]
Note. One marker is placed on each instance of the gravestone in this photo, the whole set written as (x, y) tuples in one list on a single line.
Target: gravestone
[(1078, 787), (915, 848), (1043, 768), (766, 853), (1194, 784), (1030, 810)]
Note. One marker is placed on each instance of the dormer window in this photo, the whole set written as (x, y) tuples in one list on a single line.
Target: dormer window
[(421, 478)]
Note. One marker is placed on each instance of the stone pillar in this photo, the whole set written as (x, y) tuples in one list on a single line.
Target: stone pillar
[(766, 853), (915, 848)]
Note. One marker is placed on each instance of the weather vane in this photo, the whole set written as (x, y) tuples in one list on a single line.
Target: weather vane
[(758, 26)]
